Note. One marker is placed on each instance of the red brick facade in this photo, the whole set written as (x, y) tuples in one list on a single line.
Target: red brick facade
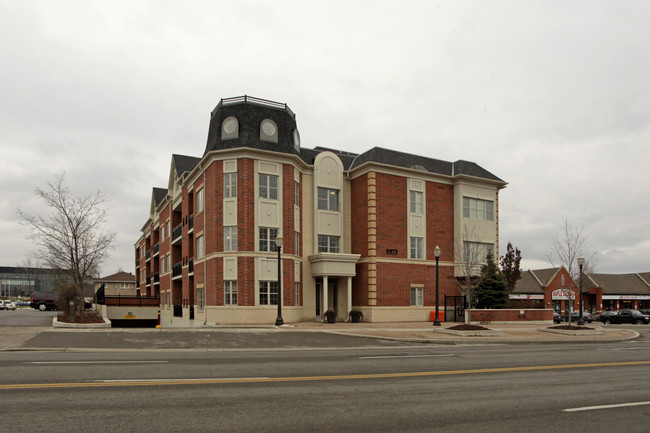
[(371, 265)]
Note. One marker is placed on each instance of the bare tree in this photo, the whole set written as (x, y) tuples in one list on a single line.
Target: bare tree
[(69, 238), (470, 256), (569, 244)]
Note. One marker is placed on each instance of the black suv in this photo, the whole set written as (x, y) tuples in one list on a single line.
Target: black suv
[(43, 301)]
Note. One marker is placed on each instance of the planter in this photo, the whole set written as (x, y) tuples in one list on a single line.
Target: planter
[(330, 315), (356, 316)]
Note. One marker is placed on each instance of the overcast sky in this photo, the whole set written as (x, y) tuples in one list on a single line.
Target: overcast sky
[(551, 96)]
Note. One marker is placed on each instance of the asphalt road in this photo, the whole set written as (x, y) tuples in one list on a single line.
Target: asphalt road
[(489, 388)]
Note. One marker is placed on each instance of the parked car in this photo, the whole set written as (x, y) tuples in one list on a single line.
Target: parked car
[(43, 301), (10, 305), (47, 301), (575, 316), (557, 318), (2, 305), (624, 316)]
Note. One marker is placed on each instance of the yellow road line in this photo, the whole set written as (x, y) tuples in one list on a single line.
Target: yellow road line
[(314, 378)]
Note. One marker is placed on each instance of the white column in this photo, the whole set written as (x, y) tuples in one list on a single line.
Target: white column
[(325, 290), (349, 279)]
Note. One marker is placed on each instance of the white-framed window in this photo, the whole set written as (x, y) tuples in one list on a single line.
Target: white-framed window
[(416, 248), (230, 292), (200, 247), (230, 185), (415, 202), (267, 238), (477, 252), (478, 209), (200, 200), (268, 186), (296, 194), (230, 238), (169, 228), (169, 262), (329, 244), (162, 233), (328, 199), (162, 265), (417, 296), (268, 293), (200, 299), (296, 243), (296, 295)]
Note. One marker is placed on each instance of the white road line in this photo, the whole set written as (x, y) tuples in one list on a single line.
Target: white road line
[(606, 406), (97, 362), (632, 348), (404, 356)]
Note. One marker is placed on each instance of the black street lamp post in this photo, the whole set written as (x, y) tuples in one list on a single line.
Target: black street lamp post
[(581, 262), (279, 321), (436, 252)]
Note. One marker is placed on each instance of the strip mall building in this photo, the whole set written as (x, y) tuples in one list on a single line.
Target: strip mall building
[(358, 230), (554, 288)]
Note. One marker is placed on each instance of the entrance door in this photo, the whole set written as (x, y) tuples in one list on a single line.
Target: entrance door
[(332, 295)]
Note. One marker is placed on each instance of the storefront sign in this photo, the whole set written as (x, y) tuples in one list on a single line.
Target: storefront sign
[(627, 297), (527, 297), (563, 294)]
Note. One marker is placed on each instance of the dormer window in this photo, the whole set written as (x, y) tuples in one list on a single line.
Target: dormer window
[(230, 128), (296, 140), (268, 131)]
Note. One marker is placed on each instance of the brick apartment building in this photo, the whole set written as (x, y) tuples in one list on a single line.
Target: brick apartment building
[(358, 230)]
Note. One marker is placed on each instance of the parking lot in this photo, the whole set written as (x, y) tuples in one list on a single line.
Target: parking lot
[(25, 316)]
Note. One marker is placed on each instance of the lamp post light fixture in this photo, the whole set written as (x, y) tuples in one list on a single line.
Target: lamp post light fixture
[(436, 252), (278, 320), (581, 262)]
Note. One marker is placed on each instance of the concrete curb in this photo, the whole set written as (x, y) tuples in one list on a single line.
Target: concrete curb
[(57, 324)]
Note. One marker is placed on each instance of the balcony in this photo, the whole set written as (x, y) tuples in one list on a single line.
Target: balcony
[(148, 281), (191, 265), (148, 255), (177, 271), (177, 234), (156, 249), (156, 278), (190, 228)]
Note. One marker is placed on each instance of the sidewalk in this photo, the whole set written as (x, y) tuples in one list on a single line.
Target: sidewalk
[(502, 333), (301, 335)]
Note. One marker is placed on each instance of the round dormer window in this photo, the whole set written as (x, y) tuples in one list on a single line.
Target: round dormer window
[(230, 125), (269, 131), (268, 127), (230, 128)]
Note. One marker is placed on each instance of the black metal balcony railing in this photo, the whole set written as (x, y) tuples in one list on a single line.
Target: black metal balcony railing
[(177, 233), (191, 223), (191, 265), (156, 278), (177, 270), (148, 255), (253, 100), (148, 281), (156, 249)]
